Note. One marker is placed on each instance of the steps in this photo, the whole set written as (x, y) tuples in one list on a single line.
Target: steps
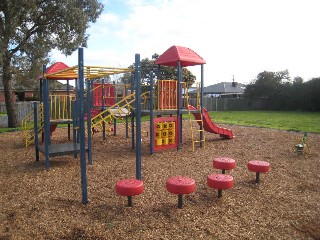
[(27, 125), (194, 129)]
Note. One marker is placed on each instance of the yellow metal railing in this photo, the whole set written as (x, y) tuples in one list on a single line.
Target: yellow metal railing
[(60, 106), (27, 125), (116, 111), (196, 123)]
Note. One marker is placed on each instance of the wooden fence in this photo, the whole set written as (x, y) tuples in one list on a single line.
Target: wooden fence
[(23, 109)]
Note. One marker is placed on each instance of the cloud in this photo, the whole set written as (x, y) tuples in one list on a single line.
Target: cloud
[(240, 38)]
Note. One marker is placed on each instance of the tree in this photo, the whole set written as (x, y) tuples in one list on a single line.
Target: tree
[(267, 84), (310, 95), (166, 72), (30, 29)]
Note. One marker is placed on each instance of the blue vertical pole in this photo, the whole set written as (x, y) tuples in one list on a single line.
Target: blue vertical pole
[(35, 124), (179, 107), (151, 115), (138, 116), (89, 122), (46, 113), (83, 165)]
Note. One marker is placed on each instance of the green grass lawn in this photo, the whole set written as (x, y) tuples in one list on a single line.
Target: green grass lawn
[(291, 121), (285, 120)]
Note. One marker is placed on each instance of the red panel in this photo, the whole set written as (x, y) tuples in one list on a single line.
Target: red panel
[(109, 90)]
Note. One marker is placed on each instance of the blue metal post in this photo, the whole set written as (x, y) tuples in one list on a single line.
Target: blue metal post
[(46, 113), (35, 124), (83, 165), (151, 115), (138, 116)]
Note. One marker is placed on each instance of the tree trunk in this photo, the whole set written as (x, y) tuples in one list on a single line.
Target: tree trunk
[(8, 94)]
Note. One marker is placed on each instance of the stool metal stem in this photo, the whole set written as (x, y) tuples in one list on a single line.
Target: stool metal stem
[(129, 201), (180, 202), (257, 177)]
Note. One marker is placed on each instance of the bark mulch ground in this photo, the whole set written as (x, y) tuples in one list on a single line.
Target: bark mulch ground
[(40, 204)]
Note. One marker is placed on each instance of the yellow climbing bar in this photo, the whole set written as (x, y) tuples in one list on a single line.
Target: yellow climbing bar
[(90, 72)]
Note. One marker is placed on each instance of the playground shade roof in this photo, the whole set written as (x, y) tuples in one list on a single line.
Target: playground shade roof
[(56, 67), (90, 72), (186, 56)]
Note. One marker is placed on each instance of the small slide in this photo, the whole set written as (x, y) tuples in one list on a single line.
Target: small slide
[(210, 126)]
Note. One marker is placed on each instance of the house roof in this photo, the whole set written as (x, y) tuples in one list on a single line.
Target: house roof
[(186, 56), (224, 88)]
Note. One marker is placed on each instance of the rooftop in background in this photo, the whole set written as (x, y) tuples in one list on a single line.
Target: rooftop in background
[(225, 87)]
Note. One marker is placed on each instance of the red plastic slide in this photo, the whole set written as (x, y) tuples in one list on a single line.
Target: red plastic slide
[(210, 126)]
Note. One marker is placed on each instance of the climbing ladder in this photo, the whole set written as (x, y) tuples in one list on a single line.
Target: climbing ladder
[(116, 111), (195, 123), (27, 126)]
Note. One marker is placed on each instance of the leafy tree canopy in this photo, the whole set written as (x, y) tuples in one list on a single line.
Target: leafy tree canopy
[(267, 84), (30, 29)]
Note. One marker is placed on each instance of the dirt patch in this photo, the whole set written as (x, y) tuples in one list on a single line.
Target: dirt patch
[(40, 204)]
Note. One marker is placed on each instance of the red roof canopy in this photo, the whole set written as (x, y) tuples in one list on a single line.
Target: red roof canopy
[(56, 67), (186, 56)]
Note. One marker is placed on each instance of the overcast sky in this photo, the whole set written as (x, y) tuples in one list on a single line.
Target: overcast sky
[(234, 37)]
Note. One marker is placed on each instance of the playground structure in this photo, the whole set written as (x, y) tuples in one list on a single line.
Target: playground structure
[(99, 106)]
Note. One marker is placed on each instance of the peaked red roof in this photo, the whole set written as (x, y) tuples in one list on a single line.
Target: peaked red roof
[(186, 56), (56, 67)]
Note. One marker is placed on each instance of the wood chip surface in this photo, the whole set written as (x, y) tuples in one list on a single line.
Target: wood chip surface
[(40, 204)]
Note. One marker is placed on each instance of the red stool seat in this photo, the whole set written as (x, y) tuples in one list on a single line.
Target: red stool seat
[(180, 185), (258, 166), (224, 163), (129, 187), (220, 182)]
